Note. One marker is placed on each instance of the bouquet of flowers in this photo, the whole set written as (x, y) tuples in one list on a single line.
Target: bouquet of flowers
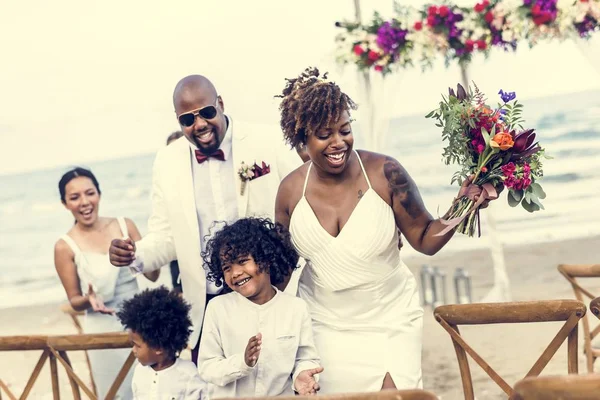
[(493, 150), (381, 44)]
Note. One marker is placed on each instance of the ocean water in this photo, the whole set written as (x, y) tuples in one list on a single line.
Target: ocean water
[(32, 217)]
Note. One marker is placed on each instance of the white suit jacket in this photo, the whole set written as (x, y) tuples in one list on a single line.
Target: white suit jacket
[(173, 231)]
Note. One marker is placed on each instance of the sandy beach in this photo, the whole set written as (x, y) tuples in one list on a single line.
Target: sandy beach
[(510, 349)]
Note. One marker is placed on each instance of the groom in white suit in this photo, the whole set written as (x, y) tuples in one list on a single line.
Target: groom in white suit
[(196, 181)]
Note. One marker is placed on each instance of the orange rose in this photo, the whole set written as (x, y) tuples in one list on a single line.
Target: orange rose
[(502, 141)]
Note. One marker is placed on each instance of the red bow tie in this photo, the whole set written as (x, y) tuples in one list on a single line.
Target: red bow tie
[(201, 157)]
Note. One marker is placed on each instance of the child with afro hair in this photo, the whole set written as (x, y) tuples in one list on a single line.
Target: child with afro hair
[(256, 340), (159, 327)]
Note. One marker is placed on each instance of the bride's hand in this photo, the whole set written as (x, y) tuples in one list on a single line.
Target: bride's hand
[(97, 303), (464, 188)]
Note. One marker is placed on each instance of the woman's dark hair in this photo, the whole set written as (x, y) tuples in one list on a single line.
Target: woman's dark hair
[(72, 174), (160, 317), (310, 102), (269, 244)]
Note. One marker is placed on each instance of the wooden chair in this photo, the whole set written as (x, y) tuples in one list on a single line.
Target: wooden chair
[(450, 316), (412, 394), (595, 307), (571, 272), (67, 309), (570, 387)]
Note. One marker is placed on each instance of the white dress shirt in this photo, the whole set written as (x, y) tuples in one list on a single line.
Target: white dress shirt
[(287, 345), (214, 191), (178, 382)]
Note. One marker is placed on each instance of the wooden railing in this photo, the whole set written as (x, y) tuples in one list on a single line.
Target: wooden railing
[(54, 348)]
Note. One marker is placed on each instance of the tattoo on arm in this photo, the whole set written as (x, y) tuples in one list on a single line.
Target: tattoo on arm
[(403, 188), (360, 194)]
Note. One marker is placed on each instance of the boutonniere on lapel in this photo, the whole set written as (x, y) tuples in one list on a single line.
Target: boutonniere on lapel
[(249, 172)]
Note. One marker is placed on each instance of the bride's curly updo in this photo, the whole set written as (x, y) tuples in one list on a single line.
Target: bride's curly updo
[(310, 102)]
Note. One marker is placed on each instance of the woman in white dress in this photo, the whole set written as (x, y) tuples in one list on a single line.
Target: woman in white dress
[(92, 284), (344, 209)]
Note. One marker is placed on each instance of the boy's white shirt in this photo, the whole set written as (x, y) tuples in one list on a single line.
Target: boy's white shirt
[(180, 381), (287, 345)]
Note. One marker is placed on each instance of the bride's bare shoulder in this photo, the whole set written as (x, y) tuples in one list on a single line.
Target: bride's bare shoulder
[(376, 162), (291, 186)]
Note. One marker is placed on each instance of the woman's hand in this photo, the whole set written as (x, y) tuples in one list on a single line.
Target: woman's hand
[(474, 191), (97, 303)]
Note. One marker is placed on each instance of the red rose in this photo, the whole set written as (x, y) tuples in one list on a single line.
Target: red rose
[(535, 10), (489, 17), (378, 68), (470, 45), (431, 20), (510, 182), (432, 10), (508, 169), (479, 7), (418, 25), (358, 50), (481, 45), (372, 56), (542, 18), (444, 11)]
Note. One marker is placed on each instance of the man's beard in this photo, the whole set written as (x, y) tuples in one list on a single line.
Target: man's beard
[(207, 149)]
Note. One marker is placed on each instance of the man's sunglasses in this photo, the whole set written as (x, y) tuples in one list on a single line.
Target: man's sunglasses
[(187, 119)]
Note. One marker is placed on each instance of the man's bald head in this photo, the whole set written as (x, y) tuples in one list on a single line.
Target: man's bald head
[(194, 93), (194, 83)]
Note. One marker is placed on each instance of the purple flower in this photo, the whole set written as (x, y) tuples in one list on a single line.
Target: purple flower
[(587, 26), (524, 145), (507, 96), (501, 113), (461, 93), (523, 141), (390, 38)]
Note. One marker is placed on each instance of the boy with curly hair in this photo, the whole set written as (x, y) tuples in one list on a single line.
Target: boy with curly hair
[(256, 340), (159, 327)]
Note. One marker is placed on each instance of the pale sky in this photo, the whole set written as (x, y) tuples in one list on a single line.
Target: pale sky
[(91, 80)]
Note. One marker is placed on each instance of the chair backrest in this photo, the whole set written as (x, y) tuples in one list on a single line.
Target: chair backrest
[(571, 272), (413, 394), (570, 387), (595, 307), (450, 316)]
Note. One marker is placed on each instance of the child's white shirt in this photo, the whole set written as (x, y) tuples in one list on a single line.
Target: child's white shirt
[(287, 345), (180, 381)]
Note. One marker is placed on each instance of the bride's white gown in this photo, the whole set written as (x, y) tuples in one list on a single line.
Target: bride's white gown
[(363, 299)]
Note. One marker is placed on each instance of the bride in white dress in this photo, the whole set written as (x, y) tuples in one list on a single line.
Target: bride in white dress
[(344, 209), (90, 281)]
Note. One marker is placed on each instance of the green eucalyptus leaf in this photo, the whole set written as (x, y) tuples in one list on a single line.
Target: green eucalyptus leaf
[(517, 194), (512, 201), (530, 207), (537, 189)]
